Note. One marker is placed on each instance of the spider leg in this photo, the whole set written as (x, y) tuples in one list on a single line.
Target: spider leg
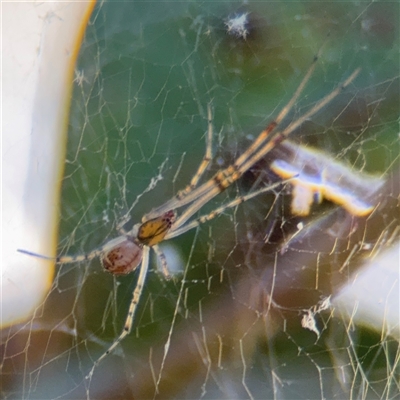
[(163, 261), (227, 176), (179, 199), (195, 193), (218, 211), (262, 137), (193, 208), (206, 159), (248, 159), (67, 259), (137, 293)]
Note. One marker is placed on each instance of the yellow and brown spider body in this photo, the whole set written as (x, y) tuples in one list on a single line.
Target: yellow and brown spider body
[(123, 257), (154, 230)]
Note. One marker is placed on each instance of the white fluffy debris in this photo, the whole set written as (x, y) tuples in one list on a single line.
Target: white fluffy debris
[(237, 25)]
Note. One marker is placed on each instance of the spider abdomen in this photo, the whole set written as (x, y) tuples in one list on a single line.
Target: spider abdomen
[(122, 258)]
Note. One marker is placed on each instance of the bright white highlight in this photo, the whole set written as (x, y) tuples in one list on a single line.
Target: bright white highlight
[(316, 175)]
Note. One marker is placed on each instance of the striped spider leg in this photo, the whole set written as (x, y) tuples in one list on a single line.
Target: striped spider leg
[(125, 253)]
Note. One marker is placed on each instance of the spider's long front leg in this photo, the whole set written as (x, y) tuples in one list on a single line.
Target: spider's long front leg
[(264, 135), (218, 211), (252, 155), (178, 199), (192, 194), (248, 159), (206, 159), (137, 293)]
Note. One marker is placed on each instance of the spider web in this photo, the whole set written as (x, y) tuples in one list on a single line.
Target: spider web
[(229, 325)]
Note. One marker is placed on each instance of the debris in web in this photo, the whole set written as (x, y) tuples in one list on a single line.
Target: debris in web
[(237, 25), (309, 322)]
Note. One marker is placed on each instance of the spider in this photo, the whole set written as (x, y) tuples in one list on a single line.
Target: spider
[(124, 254)]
